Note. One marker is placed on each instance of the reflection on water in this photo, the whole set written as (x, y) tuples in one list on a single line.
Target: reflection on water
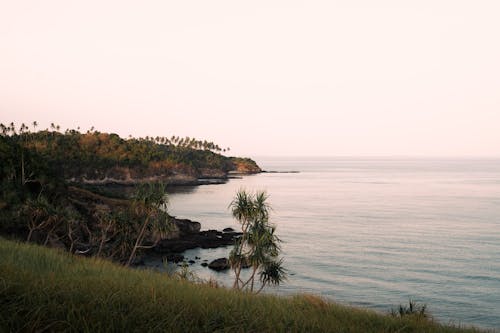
[(181, 189), (375, 232)]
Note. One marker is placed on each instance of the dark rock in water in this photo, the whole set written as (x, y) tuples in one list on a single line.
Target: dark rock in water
[(204, 239), (191, 261), (228, 230), (211, 181), (174, 257), (197, 258), (204, 264), (187, 227), (220, 264)]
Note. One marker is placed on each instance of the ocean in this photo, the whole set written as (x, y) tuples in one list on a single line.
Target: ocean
[(374, 232)]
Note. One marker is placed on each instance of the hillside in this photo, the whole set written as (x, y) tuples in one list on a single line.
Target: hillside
[(52, 189), (106, 158), (48, 290)]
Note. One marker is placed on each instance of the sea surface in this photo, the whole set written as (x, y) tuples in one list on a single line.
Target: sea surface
[(374, 232)]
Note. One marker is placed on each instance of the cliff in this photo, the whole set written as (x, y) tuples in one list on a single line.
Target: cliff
[(169, 174), (244, 165)]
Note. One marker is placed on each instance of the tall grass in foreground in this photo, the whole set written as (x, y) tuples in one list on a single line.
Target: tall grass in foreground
[(46, 290)]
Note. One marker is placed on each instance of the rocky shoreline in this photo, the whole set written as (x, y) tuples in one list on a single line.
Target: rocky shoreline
[(176, 176), (189, 236)]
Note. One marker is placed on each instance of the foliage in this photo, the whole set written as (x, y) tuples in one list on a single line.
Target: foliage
[(413, 309), (47, 290), (38, 204), (92, 154), (258, 246), (184, 273), (149, 204)]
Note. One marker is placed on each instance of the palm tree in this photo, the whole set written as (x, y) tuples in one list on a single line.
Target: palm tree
[(42, 216), (149, 205), (258, 245), (72, 221), (4, 129), (106, 222)]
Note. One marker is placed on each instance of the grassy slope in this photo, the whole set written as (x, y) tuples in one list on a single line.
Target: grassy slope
[(44, 289)]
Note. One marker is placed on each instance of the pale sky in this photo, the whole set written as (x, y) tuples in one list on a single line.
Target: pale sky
[(352, 77)]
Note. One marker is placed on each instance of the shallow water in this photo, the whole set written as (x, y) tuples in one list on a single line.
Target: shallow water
[(375, 232)]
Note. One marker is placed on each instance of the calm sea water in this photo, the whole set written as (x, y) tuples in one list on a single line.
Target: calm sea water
[(375, 232)]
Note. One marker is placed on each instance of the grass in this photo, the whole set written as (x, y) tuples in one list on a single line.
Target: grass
[(48, 290)]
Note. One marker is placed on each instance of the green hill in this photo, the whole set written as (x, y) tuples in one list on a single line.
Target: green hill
[(44, 289), (103, 158)]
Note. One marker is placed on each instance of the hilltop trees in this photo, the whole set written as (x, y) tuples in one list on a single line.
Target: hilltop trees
[(92, 153), (258, 247)]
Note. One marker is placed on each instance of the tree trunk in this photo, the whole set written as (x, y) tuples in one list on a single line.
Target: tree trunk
[(138, 241), (30, 234), (103, 239)]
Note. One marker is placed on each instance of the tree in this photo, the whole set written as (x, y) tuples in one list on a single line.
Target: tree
[(37, 212), (258, 247), (73, 221), (149, 205), (106, 223), (43, 217)]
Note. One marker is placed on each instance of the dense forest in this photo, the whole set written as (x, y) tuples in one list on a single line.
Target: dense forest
[(45, 197), (94, 155)]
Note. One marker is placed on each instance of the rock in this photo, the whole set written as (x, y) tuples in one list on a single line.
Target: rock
[(174, 257), (228, 230), (208, 173), (204, 264), (204, 239), (187, 227), (244, 166), (191, 261), (220, 264)]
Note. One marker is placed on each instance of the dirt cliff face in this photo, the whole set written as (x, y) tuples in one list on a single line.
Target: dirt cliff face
[(138, 175), (245, 165), (179, 174)]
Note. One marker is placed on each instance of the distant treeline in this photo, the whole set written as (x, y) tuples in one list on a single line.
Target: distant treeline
[(27, 152)]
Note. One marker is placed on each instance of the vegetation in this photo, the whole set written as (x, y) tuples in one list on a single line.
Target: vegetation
[(47, 290), (149, 203), (94, 155), (258, 247), (44, 197), (44, 289), (413, 309)]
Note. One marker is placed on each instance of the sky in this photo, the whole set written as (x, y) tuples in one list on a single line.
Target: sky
[(266, 78)]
